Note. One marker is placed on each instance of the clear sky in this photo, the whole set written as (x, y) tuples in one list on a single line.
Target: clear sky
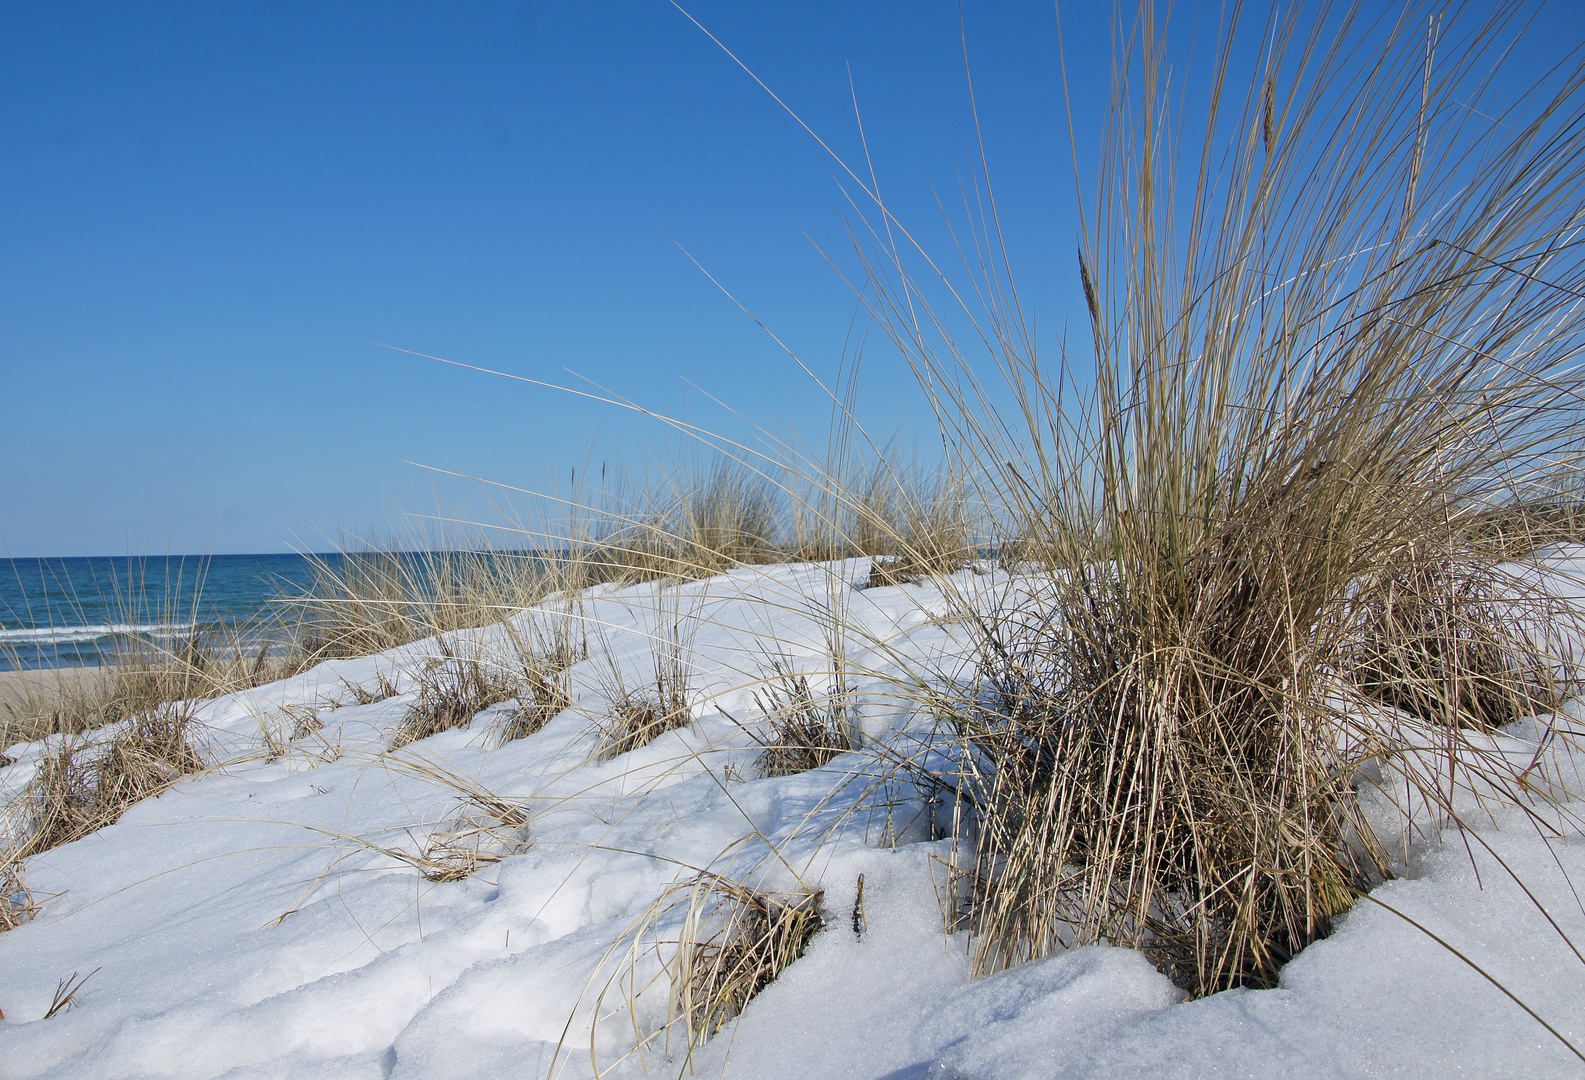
[(210, 212)]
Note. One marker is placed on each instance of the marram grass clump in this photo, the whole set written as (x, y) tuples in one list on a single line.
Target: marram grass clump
[(1446, 641), (17, 904), (1259, 499), (736, 940), (804, 731), (637, 717), (555, 642), (454, 688), (86, 784), (542, 696)]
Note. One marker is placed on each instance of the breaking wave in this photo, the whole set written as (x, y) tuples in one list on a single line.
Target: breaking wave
[(62, 635)]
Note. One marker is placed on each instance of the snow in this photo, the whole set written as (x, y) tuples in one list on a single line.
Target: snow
[(265, 919)]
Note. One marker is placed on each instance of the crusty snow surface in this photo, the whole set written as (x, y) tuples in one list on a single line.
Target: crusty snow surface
[(261, 921)]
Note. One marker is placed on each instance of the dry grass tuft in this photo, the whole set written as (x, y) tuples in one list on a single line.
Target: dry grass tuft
[(359, 604), (66, 993), (282, 729), (695, 523), (917, 524), (736, 941), (1129, 788), (1525, 525), (65, 996), (452, 690), (16, 902), (361, 695), (909, 570), (637, 718), (487, 830), (557, 641), (806, 732), (86, 785), (727, 518), (546, 689), (364, 602)]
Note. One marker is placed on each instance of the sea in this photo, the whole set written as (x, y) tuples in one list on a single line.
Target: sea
[(74, 612)]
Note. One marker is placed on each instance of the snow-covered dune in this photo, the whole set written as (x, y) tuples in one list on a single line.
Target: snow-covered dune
[(269, 918)]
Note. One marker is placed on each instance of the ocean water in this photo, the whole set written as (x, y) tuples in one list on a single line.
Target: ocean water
[(82, 611)]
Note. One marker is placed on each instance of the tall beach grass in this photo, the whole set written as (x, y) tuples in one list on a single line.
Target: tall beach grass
[(1334, 336)]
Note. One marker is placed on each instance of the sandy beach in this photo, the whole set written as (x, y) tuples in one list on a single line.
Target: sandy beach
[(27, 696)]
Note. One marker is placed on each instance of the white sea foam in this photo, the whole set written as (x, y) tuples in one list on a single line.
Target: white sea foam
[(68, 634)]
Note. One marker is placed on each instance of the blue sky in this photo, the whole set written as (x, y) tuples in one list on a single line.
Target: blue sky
[(210, 212)]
